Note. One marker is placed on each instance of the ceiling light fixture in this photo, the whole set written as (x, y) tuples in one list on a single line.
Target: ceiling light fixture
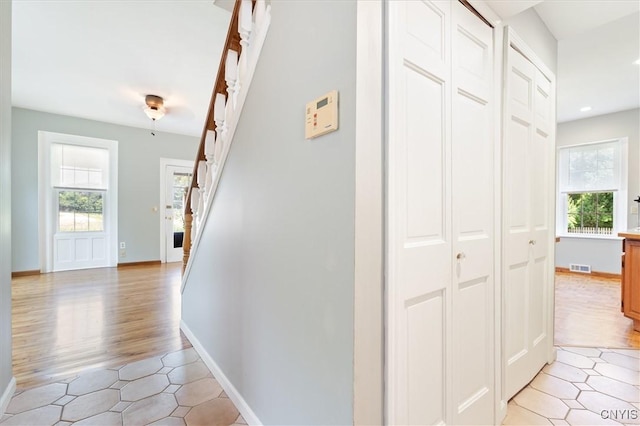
[(637, 62), (155, 107), (585, 109)]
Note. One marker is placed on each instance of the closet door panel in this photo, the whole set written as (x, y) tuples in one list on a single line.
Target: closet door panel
[(527, 234), (473, 213), (419, 211)]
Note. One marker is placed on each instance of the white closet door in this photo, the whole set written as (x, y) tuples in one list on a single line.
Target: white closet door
[(528, 153), (419, 200), (440, 311), (473, 190)]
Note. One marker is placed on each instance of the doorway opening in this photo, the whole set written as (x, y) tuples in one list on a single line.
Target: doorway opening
[(592, 201)]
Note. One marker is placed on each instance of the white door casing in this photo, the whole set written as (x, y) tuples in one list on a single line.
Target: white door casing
[(168, 167), (528, 215), (440, 309), (77, 250)]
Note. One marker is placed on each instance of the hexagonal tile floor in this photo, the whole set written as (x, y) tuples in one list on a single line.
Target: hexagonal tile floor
[(585, 386), (174, 389)]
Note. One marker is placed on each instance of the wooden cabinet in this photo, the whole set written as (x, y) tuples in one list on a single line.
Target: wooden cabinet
[(631, 278)]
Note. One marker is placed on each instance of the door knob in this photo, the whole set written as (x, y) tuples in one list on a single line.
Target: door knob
[(460, 256), (532, 242)]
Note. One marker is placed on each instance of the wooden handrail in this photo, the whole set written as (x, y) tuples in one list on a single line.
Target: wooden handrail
[(232, 42)]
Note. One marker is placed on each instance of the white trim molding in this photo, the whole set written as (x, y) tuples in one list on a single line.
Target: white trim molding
[(368, 345), (45, 194), (233, 393), (7, 395)]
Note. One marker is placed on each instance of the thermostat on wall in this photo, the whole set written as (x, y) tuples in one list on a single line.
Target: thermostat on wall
[(322, 115)]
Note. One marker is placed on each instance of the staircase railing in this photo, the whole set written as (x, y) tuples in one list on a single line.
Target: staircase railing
[(250, 21)]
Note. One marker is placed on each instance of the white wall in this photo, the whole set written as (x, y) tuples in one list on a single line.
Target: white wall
[(537, 36), (139, 156), (604, 256), (5, 204), (270, 294)]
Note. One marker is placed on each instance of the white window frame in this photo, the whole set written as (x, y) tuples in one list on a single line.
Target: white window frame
[(47, 226), (620, 195)]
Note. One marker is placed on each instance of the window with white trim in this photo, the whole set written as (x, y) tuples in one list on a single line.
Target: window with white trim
[(592, 189), (80, 176)]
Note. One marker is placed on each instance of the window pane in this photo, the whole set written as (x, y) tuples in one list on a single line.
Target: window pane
[(74, 166), (181, 182), (80, 211), (605, 158), (594, 167), (590, 213)]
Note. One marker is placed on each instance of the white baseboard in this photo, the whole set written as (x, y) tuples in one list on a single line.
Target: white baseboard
[(6, 396), (502, 411), (226, 384)]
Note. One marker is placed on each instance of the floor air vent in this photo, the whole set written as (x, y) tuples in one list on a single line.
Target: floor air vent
[(574, 267)]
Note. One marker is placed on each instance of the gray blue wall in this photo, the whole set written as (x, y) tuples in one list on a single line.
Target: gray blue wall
[(270, 295), (139, 156), (5, 200), (603, 255)]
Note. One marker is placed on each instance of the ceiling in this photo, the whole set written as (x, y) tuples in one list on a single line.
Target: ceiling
[(98, 59), (597, 70), (598, 42)]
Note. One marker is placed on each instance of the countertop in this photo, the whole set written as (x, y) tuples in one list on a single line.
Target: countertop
[(632, 234)]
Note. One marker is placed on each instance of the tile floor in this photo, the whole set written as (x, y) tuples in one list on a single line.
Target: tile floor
[(174, 389), (178, 389), (580, 388)]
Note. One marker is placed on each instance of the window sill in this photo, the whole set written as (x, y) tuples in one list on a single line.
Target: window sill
[(591, 237)]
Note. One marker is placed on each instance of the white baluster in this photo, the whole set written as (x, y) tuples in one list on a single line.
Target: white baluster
[(218, 151), (258, 13), (201, 202), (209, 153), (228, 114), (231, 74), (202, 174), (202, 180), (209, 145), (245, 26), (195, 199), (219, 113)]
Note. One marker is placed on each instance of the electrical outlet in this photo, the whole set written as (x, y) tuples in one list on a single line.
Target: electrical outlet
[(123, 245), (123, 252), (634, 209)]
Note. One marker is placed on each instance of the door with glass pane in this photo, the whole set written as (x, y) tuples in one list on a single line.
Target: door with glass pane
[(177, 181), (79, 178)]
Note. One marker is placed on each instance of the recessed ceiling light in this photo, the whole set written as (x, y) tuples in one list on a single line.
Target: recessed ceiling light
[(637, 62), (585, 109)]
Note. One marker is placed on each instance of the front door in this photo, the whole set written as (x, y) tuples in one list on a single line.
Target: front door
[(177, 180), (81, 239)]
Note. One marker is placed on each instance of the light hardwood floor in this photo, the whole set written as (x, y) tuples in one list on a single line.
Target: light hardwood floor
[(68, 322), (588, 313)]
